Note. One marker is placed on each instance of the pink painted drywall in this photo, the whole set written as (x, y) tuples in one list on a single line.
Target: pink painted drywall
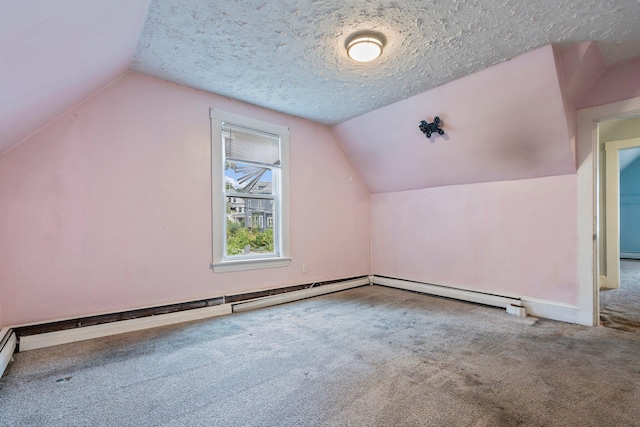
[(505, 122), (617, 83), (568, 102), (56, 53), (512, 237), (581, 65), (109, 207)]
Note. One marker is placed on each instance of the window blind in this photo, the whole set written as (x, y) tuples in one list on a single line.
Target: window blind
[(246, 145)]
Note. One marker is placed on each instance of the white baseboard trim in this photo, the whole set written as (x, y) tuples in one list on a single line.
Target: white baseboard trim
[(448, 292), (605, 285), (602, 281), (551, 310), (32, 342), (298, 295), (535, 307), (6, 352), (630, 255)]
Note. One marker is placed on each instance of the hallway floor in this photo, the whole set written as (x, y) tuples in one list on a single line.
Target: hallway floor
[(630, 274), (620, 308)]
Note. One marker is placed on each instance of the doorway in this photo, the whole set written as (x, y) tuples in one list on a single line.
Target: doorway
[(621, 192), (629, 216), (620, 225)]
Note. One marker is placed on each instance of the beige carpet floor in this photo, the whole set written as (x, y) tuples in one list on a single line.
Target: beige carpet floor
[(370, 356)]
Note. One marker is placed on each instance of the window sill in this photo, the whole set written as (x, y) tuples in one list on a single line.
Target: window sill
[(250, 264)]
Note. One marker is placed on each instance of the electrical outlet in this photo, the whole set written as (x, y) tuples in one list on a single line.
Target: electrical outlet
[(304, 268)]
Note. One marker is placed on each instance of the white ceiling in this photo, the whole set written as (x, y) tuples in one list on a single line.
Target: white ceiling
[(289, 55), (285, 55)]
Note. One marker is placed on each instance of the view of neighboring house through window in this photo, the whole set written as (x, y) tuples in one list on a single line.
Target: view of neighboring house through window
[(248, 155), (251, 184)]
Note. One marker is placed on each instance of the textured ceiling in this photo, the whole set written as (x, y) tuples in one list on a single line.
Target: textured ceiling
[(289, 55), (285, 55)]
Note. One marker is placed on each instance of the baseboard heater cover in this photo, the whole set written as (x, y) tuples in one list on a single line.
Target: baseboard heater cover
[(517, 306), (98, 319), (447, 292), (7, 347), (237, 298), (30, 337), (32, 342), (298, 295)]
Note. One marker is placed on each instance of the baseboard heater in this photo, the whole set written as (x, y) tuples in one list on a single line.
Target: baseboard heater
[(7, 347), (298, 295), (448, 292), (30, 337)]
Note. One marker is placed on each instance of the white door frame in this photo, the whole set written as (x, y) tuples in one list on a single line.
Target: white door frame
[(612, 209), (588, 162)]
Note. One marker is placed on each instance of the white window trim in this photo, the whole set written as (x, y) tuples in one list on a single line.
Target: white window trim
[(220, 263)]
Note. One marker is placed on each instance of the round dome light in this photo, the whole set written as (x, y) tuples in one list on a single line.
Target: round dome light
[(364, 48)]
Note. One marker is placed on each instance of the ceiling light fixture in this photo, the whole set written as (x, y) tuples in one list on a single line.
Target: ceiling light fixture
[(364, 47)]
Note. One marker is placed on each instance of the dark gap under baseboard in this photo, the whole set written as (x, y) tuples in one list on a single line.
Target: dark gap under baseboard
[(80, 322), (113, 317), (269, 292)]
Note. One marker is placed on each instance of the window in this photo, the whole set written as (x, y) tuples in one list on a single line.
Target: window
[(249, 184)]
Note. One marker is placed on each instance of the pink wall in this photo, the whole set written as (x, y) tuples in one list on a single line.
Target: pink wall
[(511, 237), (616, 83), (57, 53), (109, 207), (580, 65), (505, 122)]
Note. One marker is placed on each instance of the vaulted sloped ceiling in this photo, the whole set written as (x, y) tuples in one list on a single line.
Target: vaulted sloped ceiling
[(55, 53), (505, 122), (485, 66)]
